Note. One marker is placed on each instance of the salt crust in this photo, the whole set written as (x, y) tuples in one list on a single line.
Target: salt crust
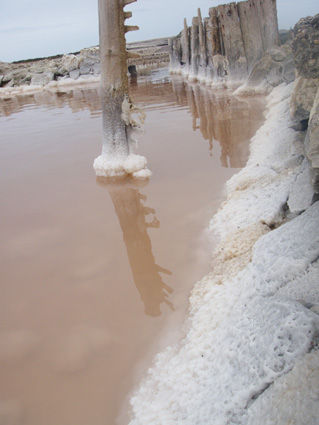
[(207, 79), (134, 165), (247, 340), (293, 399), (52, 86)]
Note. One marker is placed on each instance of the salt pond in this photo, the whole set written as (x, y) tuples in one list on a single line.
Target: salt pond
[(95, 277)]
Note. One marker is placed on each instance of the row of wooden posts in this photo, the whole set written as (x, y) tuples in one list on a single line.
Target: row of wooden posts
[(228, 42)]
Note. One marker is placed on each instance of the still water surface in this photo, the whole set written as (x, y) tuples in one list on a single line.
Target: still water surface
[(94, 276)]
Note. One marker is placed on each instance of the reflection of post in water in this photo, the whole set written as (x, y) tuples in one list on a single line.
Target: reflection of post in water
[(132, 215), (222, 117), (192, 105)]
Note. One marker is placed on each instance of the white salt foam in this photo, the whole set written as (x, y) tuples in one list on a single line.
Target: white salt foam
[(248, 338)]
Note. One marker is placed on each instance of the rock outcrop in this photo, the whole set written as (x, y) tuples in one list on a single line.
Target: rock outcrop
[(227, 43), (305, 47), (304, 105), (275, 67), (312, 142)]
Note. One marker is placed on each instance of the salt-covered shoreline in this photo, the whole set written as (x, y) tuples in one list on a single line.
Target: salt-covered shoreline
[(250, 355)]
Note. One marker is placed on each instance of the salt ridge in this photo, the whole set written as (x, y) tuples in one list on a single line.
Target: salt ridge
[(252, 341)]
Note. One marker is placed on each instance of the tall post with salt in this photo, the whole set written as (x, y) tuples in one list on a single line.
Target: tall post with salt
[(116, 105)]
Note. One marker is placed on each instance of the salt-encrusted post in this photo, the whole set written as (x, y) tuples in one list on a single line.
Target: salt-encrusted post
[(202, 46), (116, 105), (185, 42), (175, 52), (233, 40), (114, 81), (214, 45), (195, 51), (251, 31)]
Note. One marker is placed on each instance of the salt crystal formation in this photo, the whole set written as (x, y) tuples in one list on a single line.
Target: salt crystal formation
[(250, 354)]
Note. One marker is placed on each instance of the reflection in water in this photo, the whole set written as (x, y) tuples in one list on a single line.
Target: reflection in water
[(60, 328), (132, 216), (86, 98), (220, 116), (77, 99)]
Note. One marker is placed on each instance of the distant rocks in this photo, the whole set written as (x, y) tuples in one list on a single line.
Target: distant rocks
[(41, 72), (42, 78), (69, 63), (81, 65)]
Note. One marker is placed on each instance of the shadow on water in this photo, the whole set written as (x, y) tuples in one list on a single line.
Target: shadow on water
[(135, 219)]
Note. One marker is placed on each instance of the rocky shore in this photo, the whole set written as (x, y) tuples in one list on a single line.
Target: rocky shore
[(250, 352), (78, 67)]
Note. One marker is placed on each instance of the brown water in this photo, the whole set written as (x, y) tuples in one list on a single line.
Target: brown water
[(95, 277)]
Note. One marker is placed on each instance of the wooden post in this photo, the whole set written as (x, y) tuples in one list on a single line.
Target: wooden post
[(185, 41), (233, 40), (114, 81), (214, 41), (251, 31), (202, 46), (195, 52), (269, 23), (229, 42), (175, 53)]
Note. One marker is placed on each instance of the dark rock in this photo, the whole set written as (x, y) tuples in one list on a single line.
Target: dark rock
[(305, 47), (300, 125), (132, 71)]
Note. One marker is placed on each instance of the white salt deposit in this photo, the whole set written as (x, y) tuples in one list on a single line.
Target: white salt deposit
[(53, 86), (134, 165), (205, 77), (145, 173), (293, 399), (251, 341)]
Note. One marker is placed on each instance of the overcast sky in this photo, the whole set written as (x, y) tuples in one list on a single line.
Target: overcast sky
[(36, 28)]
